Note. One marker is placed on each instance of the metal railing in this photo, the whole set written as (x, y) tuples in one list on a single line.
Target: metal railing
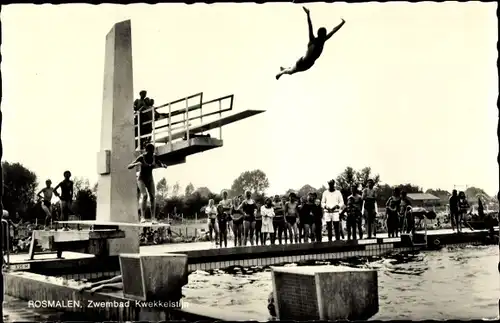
[(154, 120), (184, 123)]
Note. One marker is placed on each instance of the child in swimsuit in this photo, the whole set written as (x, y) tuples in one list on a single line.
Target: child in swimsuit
[(249, 208), (237, 218), (211, 212), (279, 224), (291, 216), (46, 194)]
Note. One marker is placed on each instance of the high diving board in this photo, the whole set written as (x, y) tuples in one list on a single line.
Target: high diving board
[(164, 137)]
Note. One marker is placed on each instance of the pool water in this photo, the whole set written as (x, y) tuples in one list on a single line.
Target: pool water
[(453, 283)]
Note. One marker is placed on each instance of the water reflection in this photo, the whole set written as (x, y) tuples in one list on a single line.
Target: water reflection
[(453, 283)]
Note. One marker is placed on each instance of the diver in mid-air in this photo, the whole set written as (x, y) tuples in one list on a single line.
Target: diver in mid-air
[(314, 48)]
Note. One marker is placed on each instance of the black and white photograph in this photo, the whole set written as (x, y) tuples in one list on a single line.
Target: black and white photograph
[(281, 161)]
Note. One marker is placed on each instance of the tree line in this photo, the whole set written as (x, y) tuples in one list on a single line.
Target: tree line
[(22, 184)]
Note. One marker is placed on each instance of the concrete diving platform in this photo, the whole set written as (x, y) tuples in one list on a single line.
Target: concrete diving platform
[(87, 241), (176, 153)]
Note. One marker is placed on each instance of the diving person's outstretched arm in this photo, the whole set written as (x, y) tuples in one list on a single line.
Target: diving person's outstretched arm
[(334, 30), (309, 23)]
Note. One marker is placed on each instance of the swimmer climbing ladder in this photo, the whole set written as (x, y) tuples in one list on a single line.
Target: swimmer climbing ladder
[(175, 139)]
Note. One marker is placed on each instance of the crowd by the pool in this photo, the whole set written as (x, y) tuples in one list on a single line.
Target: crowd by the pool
[(298, 219)]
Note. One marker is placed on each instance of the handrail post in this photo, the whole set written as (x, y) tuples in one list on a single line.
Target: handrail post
[(153, 126), (170, 126), (139, 130), (185, 119), (220, 117), (201, 113)]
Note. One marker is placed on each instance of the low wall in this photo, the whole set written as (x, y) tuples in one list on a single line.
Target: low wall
[(63, 295)]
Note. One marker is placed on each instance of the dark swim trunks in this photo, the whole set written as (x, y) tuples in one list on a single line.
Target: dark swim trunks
[(291, 219)]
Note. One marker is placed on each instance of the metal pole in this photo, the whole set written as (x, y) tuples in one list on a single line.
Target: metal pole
[(139, 130), (220, 117), (153, 126), (170, 125), (201, 114), (186, 118)]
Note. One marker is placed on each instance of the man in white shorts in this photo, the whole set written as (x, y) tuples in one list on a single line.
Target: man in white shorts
[(332, 202)]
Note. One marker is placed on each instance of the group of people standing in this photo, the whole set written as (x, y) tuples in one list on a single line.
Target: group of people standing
[(292, 220), (459, 207), (65, 196)]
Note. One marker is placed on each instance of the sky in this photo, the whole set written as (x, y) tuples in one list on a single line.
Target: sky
[(409, 89)]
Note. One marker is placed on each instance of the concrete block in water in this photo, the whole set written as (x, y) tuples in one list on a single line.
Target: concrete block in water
[(151, 277), (325, 293)]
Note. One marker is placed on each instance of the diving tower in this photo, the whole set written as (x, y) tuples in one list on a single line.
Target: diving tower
[(180, 129)]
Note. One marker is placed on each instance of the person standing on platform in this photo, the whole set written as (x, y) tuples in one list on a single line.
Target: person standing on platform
[(227, 205), (145, 181), (222, 218), (279, 224), (318, 219), (307, 216), (267, 212), (46, 195), (145, 117), (463, 208), (354, 215), (258, 225), (249, 208), (291, 217), (454, 212), (332, 202), (404, 216), (66, 197), (369, 197), (211, 212), (391, 209), (237, 219)]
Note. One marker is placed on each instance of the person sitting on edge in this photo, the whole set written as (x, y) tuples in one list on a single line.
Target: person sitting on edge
[(147, 162), (66, 197), (314, 48), (46, 195), (332, 202), (115, 283)]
